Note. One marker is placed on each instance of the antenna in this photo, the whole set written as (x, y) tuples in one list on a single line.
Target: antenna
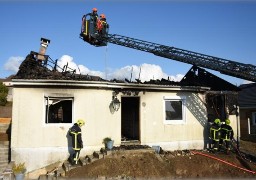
[(139, 73), (131, 74), (106, 51)]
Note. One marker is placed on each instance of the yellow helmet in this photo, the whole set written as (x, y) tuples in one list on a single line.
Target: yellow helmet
[(227, 121), (80, 122), (217, 121)]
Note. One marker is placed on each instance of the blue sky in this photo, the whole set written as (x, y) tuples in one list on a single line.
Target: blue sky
[(224, 29)]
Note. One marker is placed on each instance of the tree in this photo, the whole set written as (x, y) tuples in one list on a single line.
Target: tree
[(3, 94)]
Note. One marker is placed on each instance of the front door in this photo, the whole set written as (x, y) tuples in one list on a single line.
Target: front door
[(130, 118)]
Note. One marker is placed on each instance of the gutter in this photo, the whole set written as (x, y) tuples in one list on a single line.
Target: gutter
[(103, 84)]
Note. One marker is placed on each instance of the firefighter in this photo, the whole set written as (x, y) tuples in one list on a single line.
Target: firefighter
[(77, 143), (102, 25), (93, 20), (215, 135), (93, 15), (227, 135)]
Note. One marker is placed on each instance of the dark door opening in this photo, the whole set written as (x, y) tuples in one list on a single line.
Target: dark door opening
[(130, 118)]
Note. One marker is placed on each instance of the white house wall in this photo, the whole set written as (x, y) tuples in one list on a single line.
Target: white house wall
[(188, 135), (39, 144)]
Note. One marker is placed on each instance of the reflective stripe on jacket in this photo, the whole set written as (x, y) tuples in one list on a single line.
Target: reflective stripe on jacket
[(215, 132), (226, 132), (75, 132)]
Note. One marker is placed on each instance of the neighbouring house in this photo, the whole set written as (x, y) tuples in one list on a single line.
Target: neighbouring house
[(173, 115), (247, 104)]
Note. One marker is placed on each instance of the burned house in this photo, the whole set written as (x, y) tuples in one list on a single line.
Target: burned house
[(173, 115)]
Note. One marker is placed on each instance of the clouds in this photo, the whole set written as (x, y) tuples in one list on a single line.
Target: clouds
[(68, 60), (144, 72), (13, 64)]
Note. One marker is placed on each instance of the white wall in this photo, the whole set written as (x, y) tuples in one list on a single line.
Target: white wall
[(35, 142), (39, 144), (188, 135)]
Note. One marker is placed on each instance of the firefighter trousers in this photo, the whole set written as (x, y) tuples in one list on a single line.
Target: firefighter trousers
[(74, 158)]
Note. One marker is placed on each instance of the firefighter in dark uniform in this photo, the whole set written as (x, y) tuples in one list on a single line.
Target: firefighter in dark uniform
[(227, 135), (77, 143), (93, 20), (215, 135)]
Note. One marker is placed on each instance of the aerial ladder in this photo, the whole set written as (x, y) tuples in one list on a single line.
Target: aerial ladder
[(89, 34)]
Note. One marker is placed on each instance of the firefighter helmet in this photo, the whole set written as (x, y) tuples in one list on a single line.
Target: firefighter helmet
[(227, 121), (217, 121), (94, 10), (80, 122), (102, 16)]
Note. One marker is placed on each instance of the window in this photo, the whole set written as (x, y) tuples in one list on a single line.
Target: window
[(58, 109), (174, 110)]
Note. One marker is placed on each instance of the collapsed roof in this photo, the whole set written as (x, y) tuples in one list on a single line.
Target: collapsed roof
[(32, 68)]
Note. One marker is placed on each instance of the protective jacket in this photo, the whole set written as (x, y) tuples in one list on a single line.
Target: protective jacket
[(93, 16), (102, 25), (75, 133), (226, 132), (215, 132)]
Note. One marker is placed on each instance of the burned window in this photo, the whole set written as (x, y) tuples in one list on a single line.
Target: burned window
[(58, 110), (174, 111)]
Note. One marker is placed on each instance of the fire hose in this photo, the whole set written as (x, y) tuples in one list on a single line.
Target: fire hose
[(215, 158), (239, 152)]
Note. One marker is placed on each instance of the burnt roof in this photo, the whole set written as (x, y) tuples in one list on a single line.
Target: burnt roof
[(31, 68), (197, 76)]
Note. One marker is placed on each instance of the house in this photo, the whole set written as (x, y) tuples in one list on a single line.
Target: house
[(247, 104), (173, 115)]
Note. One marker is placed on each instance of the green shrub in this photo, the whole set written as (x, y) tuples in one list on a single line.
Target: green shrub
[(106, 140), (19, 168), (3, 94)]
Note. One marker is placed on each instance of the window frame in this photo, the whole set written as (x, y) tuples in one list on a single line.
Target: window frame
[(57, 96), (175, 98)]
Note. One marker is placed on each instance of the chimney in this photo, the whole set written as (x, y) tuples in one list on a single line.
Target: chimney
[(44, 45)]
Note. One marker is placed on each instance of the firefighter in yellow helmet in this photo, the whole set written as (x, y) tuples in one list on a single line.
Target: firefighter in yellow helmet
[(215, 135), (227, 135), (77, 142)]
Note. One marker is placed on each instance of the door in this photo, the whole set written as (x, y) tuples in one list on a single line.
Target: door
[(130, 128)]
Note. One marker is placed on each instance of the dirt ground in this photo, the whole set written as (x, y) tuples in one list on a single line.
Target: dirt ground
[(146, 164)]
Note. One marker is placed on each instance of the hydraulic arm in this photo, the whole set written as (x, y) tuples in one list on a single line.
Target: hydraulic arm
[(244, 71), (228, 67)]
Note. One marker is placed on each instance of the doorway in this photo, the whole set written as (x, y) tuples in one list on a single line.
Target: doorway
[(130, 124)]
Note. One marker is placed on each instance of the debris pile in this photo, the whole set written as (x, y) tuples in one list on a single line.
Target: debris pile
[(31, 68)]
